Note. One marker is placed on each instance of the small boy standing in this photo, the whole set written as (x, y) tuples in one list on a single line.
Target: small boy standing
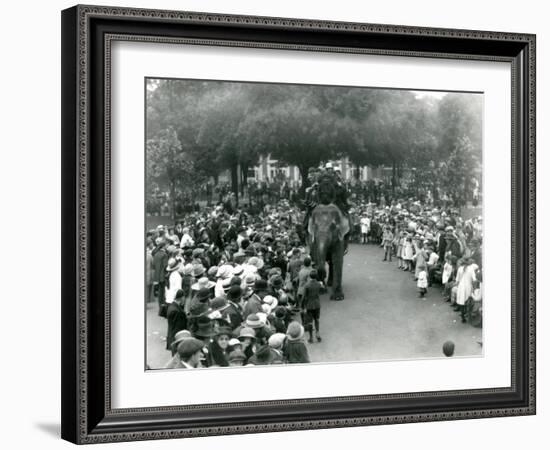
[(303, 277), (387, 242), (312, 305), (422, 283)]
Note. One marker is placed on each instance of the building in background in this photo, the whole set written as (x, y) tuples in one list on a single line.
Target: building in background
[(269, 169)]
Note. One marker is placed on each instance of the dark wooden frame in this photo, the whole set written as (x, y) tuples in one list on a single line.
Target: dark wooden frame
[(87, 31)]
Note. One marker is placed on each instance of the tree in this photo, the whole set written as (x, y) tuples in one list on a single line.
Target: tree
[(462, 163), (301, 134), (168, 165), (459, 143)]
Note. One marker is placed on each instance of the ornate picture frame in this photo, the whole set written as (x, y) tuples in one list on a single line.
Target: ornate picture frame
[(87, 35)]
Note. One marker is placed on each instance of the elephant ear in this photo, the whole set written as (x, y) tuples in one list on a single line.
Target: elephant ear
[(343, 228), (310, 228)]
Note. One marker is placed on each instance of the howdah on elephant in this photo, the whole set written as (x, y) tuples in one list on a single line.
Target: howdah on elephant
[(326, 229)]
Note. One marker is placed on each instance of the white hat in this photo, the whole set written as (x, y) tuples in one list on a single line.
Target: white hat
[(234, 341), (276, 340), (263, 317)]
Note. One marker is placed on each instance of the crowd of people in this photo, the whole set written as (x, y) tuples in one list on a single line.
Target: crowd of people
[(238, 287), (437, 246)]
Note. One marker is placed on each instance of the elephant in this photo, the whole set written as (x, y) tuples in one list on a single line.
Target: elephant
[(327, 227)]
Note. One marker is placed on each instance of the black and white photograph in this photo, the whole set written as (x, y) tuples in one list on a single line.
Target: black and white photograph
[(299, 224)]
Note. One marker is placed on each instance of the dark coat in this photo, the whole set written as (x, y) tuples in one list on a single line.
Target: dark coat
[(274, 357), (216, 356), (312, 295), (230, 235), (233, 315), (294, 266), (441, 247), (279, 325), (453, 246), (296, 352), (253, 305), (177, 321), (160, 260)]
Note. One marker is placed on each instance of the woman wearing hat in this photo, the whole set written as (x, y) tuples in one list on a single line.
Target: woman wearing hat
[(275, 286), (295, 350), (465, 286), (199, 307), (176, 319), (198, 271), (173, 279), (218, 354), (203, 295), (258, 322), (279, 319), (277, 342), (204, 331), (224, 274), (202, 283), (247, 336)]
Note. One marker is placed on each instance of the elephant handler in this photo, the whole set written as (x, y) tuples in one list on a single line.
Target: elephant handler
[(312, 306)]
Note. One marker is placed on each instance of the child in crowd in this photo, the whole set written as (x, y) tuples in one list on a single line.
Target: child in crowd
[(446, 277), (295, 350), (400, 244), (387, 242), (303, 277), (420, 258), (422, 283), (408, 254), (312, 306)]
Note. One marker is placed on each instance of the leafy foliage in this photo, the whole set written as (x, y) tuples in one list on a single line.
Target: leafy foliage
[(198, 129)]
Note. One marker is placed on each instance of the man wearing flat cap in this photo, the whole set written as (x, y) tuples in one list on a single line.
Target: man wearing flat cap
[(190, 353)]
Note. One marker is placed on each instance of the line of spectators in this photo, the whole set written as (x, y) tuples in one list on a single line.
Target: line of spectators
[(436, 245), (240, 288)]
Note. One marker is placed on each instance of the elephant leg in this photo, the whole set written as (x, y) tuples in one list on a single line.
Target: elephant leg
[(322, 273), (337, 266), (330, 280)]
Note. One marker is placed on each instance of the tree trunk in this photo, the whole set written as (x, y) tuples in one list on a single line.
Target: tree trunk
[(393, 175), (244, 178), (235, 180), (172, 200), (305, 180)]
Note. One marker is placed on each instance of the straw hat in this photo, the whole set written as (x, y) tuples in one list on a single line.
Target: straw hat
[(276, 340), (173, 264), (295, 331), (253, 321), (203, 283), (247, 332)]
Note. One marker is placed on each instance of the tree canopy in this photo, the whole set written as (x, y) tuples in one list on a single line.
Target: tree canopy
[(198, 129)]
